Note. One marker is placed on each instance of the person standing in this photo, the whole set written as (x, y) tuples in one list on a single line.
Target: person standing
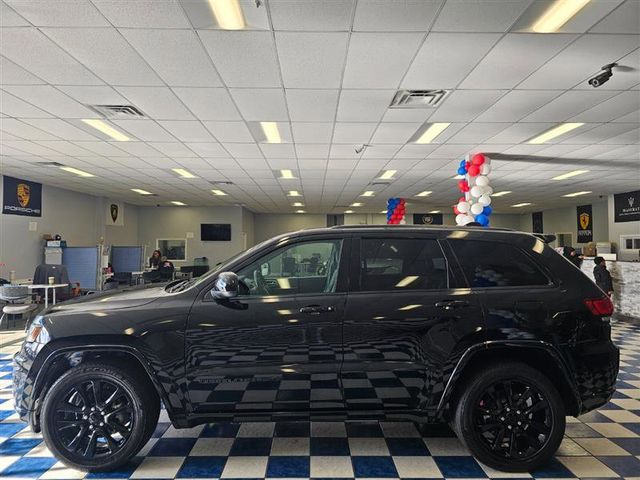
[(155, 259), (602, 275)]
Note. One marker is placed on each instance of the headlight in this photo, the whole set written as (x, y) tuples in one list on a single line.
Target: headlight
[(35, 329)]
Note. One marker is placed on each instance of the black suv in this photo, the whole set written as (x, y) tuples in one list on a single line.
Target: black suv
[(490, 330)]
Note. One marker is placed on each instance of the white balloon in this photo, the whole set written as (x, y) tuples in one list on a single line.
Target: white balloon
[(488, 190), (477, 208), (485, 200), (482, 181), (485, 169), (463, 207), (476, 191), (469, 219), (403, 221), (460, 218)]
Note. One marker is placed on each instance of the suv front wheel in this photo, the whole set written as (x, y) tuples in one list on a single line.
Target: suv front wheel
[(510, 417), (96, 417)]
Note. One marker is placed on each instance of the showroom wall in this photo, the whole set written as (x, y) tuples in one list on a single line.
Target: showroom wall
[(621, 228)]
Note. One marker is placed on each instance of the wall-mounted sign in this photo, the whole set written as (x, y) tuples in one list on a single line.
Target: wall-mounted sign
[(585, 223), (115, 214), (21, 197), (427, 219), (537, 225), (626, 207)]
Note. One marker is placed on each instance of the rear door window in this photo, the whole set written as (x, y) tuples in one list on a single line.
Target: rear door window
[(494, 264)]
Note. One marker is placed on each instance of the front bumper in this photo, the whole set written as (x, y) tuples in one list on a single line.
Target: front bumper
[(596, 369), (23, 385)]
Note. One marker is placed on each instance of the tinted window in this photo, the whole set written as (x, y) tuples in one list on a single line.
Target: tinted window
[(401, 264), (491, 264), (308, 267)]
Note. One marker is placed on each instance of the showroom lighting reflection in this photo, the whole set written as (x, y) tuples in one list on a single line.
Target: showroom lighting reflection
[(218, 192), (409, 307), (555, 132), (501, 194), (301, 211), (357, 204), (368, 193), (570, 174), (80, 173), (106, 129), (557, 15), (432, 132), (424, 194), (294, 193), (298, 204), (407, 281), (141, 192), (576, 194), (388, 175), (286, 175), (228, 14), (271, 132), (348, 211), (184, 173), (180, 204), (524, 204), (434, 211)]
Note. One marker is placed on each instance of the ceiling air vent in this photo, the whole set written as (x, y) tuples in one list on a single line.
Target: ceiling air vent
[(117, 111), (220, 182), (381, 182), (418, 98), (49, 164)]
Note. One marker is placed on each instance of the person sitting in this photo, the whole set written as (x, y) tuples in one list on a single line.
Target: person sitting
[(602, 276), (154, 260)]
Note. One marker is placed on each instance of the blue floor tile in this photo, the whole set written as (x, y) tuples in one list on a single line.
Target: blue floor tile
[(288, 467), (172, 447), (329, 446), (459, 467), (407, 447), (554, 469), (122, 472), (224, 430), (10, 429), (19, 446), (364, 430), (623, 466), (28, 467), (374, 467), (292, 429), (251, 447), (202, 467)]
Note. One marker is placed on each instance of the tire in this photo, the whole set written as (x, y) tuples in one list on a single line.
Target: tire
[(487, 423), (120, 424)]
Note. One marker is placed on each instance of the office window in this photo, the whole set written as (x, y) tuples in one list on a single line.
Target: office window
[(492, 264), (302, 268), (401, 264), (173, 248)]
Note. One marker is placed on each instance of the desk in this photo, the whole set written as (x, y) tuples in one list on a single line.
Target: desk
[(45, 287)]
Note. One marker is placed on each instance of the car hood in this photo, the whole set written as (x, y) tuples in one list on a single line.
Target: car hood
[(110, 300)]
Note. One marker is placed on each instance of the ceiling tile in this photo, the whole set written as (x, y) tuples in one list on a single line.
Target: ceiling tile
[(24, 130), (624, 19), (158, 103), (243, 58), (12, 74), (146, 130), (621, 104), (355, 133), (465, 105), (187, 131), (207, 149), (303, 15), (177, 56), (51, 100), (477, 132), (479, 15), (311, 60), (61, 129), (363, 105), (312, 150), (568, 104), (15, 107), (516, 104), (143, 13), (9, 18), (261, 104), (230, 131), (307, 132), (395, 15), (61, 13), (454, 54), (243, 150), (312, 105), (394, 132), (519, 132)]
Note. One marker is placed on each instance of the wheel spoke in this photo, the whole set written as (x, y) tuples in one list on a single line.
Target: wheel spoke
[(90, 451), (114, 396), (118, 427), (539, 405), (69, 408), (70, 423), (95, 388), (85, 401), (497, 442), (113, 445), (512, 443)]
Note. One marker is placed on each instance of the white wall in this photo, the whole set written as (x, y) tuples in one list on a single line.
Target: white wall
[(622, 228)]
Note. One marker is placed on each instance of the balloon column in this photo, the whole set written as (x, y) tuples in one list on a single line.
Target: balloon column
[(396, 211), (474, 205)]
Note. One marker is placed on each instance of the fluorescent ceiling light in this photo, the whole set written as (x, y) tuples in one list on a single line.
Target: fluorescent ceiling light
[(458, 177), (434, 211), (576, 194), (555, 132), (388, 175), (501, 194), (424, 194), (300, 211), (286, 174), (218, 192), (368, 193), (180, 204), (77, 172), (518, 205), (294, 193), (383, 211), (298, 204), (357, 204), (184, 173), (564, 176), (271, 132), (557, 15), (432, 132), (228, 14), (106, 129), (141, 192), (348, 211)]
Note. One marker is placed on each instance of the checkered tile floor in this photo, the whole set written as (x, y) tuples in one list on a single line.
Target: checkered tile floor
[(601, 444)]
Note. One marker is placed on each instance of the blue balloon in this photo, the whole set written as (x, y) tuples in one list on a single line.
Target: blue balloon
[(482, 219), (487, 210), (463, 163), (461, 171)]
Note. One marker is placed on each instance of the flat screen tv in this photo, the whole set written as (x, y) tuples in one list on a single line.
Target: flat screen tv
[(215, 232)]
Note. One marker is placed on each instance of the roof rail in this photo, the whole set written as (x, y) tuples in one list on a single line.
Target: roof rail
[(448, 227)]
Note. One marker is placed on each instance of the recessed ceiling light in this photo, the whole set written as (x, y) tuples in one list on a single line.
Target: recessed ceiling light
[(348, 211), (298, 204), (294, 193), (106, 129), (518, 205), (368, 193), (434, 211), (357, 204), (180, 204), (383, 211), (184, 173), (141, 192), (555, 132), (286, 175), (501, 194), (432, 132), (564, 176), (388, 175), (270, 130), (576, 194), (300, 211), (424, 194), (218, 192), (228, 14), (80, 173), (557, 15)]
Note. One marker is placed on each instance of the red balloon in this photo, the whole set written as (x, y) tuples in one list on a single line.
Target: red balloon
[(478, 159), (463, 185), (462, 199), (455, 210), (402, 201), (474, 171), (467, 165)]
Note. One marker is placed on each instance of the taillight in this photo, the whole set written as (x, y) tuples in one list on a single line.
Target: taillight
[(602, 307)]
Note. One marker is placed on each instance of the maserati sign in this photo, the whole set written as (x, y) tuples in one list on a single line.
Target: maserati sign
[(626, 207)]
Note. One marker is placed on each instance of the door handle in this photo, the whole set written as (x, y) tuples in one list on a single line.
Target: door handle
[(452, 304), (316, 309)]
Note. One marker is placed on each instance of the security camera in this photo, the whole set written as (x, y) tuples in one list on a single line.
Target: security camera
[(603, 77)]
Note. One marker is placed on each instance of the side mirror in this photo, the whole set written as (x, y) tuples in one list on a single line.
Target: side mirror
[(225, 286)]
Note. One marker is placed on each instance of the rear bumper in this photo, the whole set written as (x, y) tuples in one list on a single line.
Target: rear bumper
[(596, 367)]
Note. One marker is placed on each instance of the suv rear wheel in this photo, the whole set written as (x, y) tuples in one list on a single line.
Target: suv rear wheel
[(96, 417), (510, 417)]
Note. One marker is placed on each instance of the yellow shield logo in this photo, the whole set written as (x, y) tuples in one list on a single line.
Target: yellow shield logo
[(584, 220), (24, 194)]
